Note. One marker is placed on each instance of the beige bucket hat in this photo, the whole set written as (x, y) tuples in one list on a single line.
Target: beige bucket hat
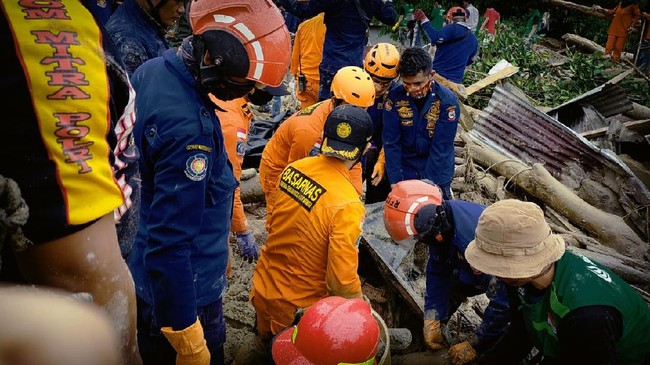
[(513, 241)]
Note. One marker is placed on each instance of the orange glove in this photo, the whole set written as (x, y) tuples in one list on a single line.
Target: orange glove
[(189, 343), (380, 169), (462, 353), (433, 334)]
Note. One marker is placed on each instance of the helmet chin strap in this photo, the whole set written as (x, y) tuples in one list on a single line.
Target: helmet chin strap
[(436, 225)]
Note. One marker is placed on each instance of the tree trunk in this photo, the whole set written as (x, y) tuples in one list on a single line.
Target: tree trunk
[(609, 229), (590, 46), (581, 8)]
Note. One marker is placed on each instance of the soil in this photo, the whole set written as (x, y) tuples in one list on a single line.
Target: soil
[(238, 312)]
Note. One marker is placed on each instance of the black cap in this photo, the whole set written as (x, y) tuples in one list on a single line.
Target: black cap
[(348, 129)]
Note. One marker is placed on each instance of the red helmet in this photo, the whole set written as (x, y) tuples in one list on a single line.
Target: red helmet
[(260, 27), (334, 330), (403, 203)]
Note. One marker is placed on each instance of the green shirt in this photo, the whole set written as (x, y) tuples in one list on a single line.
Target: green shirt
[(437, 17), (581, 282), (534, 20)]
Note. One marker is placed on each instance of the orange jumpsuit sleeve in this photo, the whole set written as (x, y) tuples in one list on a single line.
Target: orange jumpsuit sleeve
[(343, 253), (295, 55), (356, 177), (234, 125)]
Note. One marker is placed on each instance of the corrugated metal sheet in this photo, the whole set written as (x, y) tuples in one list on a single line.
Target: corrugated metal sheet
[(519, 131), (608, 99)]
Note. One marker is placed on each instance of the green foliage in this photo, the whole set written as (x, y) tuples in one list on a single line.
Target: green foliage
[(546, 85)]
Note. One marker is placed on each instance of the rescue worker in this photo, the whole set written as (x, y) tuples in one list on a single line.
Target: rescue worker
[(138, 28), (624, 17), (381, 63), (306, 55), (235, 117), (420, 121), (347, 24), (301, 134), (62, 144), (334, 330), (569, 307), (312, 249), (180, 255), (456, 48), (416, 211)]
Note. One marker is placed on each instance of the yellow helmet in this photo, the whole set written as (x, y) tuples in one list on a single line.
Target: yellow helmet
[(382, 60), (354, 86)]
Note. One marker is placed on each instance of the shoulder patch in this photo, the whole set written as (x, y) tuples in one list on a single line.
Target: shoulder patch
[(196, 167), (451, 113), (241, 148), (301, 188)]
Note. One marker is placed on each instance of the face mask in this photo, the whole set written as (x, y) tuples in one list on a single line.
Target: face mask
[(259, 97), (420, 92), (220, 86)]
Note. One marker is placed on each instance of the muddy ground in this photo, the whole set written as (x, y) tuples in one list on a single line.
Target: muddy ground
[(240, 315)]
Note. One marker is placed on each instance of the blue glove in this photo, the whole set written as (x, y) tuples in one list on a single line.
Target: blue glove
[(247, 246)]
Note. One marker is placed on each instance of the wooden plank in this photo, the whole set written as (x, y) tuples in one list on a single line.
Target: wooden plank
[(490, 79), (395, 280), (634, 125)]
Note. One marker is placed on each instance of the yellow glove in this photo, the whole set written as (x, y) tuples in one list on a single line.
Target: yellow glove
[(433, 334), (462, 353), (380, 169), (189, 343)]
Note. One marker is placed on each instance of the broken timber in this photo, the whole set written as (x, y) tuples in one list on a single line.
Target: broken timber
[(633, 125)]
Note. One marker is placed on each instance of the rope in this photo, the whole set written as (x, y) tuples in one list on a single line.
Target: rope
[(13, 215), (515, 175)]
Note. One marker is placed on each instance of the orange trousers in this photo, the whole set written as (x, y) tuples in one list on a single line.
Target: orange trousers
[(615, 46)]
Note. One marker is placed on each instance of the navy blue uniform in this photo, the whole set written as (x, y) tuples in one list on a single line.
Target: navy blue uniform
[(450, 279), (137, 35), (419, 144), (377, 193), (346, 35), (181, 251), (456, 47)]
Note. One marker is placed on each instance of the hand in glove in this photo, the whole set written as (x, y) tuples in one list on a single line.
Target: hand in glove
[(379, 170), (420, 17), (462, 353), (433, 334), (247, 246), (189, 343)]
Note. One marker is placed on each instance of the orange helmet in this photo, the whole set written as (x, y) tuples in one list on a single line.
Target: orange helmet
[(259, 26), (382, 60), (354, 86), (455, 11), (402, 205), (333, 331)]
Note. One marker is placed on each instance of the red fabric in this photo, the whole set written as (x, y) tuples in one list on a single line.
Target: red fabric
[(492, 17)]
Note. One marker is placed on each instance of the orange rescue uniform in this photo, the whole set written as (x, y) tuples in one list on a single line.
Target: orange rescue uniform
[(235, 122), (293, 140), (306, 55), (617, 33), (312, 250)]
